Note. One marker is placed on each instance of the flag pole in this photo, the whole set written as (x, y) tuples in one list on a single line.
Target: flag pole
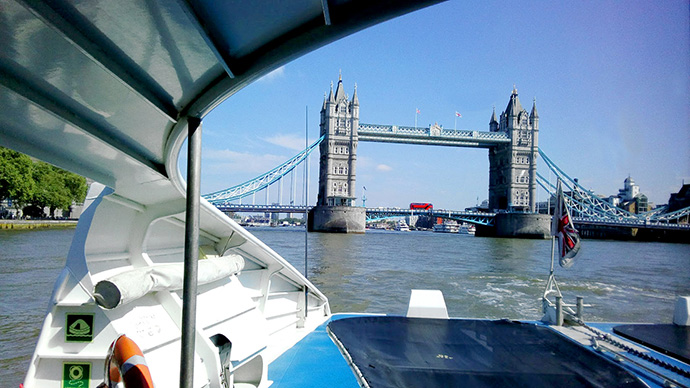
[(554, 221), (457, 114), (551, 284)]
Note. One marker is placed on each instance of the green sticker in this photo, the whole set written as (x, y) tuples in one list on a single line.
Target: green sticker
[(79, 328), (76, 374)]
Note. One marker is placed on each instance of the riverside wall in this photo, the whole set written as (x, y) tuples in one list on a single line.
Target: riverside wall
[(37, 224), (525, 225), (624, 233)]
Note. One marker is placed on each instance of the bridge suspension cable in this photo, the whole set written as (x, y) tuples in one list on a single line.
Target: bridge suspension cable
[(262, 181), (585, 205)]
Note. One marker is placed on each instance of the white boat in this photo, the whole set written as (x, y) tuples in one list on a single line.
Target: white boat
[(111, 91), (401, 226), (467, 229), (446, 227)]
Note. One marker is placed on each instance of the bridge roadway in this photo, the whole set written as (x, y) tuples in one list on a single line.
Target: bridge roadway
[(377, 213), (374, 213), (434, 135)]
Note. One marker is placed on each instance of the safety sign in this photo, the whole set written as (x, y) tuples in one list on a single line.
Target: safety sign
[(79, 328), (76, 374)]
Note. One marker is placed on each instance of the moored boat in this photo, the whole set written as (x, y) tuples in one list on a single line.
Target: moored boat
[(467, 229), (401, 226), (446, 227)]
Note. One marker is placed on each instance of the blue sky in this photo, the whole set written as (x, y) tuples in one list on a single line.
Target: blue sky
[(611, 80)]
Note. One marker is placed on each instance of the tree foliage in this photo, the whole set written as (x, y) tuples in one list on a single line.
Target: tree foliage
[(38, 183), (16, 177)]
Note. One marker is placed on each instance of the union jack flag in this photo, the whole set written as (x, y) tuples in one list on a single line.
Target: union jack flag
[(564, 231)]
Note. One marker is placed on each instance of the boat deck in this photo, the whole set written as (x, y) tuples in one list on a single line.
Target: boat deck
[(316, 360)]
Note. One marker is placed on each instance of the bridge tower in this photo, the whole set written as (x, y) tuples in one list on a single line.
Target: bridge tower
[(339, 122), (335, 210), (513, 166)]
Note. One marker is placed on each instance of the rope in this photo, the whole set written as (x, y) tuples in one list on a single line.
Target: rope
[(608, 338)]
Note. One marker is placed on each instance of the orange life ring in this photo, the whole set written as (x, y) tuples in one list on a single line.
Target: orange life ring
[(125, 362)]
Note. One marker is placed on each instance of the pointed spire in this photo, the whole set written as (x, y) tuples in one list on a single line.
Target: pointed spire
[(339, 92), (330, 95), (493, 116), (323, 107), (534, 113), (514, 107), (493, 123), (355, 100)]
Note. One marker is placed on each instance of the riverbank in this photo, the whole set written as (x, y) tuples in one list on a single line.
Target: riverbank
[(37, 224)]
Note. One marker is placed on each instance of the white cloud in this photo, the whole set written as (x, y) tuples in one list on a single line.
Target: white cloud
[(240, 162), (364, 162), (292, 142), (277, 73), (384, 168)]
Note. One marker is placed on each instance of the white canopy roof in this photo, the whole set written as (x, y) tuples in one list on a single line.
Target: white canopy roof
[(103, 87)]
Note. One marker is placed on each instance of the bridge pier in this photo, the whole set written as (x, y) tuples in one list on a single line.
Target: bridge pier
[(518, 225), (337, 219)]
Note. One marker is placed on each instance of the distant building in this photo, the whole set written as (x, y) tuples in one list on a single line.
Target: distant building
[(629, 191), (8, 211), (614, 200), (642, 203), (637, 205), (679, 200), (629, 198), (483, 207)]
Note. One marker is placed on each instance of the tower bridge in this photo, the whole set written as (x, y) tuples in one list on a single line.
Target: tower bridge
[(512, 144)]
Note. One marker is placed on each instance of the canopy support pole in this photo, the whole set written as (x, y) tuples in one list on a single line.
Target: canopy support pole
[(191, 252)]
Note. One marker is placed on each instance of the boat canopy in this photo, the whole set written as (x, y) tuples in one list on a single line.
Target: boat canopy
[(104, 88)]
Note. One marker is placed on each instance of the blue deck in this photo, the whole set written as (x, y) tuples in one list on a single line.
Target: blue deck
[(315, 361)]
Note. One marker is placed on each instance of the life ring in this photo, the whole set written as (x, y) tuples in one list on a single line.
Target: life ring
[(125, 363)]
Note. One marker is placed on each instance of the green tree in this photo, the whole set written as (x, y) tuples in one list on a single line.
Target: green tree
[(50, 188), (16, 177), (76, 184), (38, 183), (57, 188)]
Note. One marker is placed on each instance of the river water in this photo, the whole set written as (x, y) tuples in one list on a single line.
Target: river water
[(374, 272)]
